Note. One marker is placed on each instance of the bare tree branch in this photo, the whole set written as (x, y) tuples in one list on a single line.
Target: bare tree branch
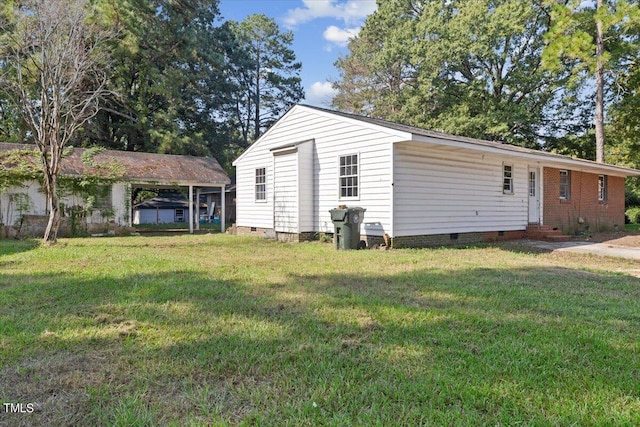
[(54, 60)]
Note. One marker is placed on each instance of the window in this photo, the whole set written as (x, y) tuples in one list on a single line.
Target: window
[(532, 184), (179, 215), (602, 188), (507, 179), (565, 184), (261, 184), (349, 176)]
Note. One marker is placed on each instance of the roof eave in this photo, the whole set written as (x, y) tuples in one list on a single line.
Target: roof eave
[(540, 157)]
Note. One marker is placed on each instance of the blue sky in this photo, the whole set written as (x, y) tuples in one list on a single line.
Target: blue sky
[(321, 29)]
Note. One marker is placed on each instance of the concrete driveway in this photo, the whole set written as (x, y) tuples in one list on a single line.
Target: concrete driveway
[(600, 249)]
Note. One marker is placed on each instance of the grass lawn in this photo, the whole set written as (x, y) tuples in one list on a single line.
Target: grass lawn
[(217, 330)]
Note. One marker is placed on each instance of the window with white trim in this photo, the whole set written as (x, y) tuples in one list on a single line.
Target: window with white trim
[(602, 188), (565, 184), (261, 185), (507, 179), (532, 184), (348, 182)]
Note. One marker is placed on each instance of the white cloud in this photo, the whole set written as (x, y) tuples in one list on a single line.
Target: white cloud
[(348, 11), (320, 93), (340, 36)]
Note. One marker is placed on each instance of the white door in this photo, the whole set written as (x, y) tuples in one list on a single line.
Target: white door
[(285, 193), (534, 196)]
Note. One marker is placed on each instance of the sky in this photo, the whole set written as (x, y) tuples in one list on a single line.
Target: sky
[(321, 28)]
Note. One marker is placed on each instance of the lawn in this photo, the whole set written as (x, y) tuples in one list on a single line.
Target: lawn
[(224, 330)]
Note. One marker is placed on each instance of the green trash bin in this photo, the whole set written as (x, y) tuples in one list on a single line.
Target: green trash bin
[(346, 224)]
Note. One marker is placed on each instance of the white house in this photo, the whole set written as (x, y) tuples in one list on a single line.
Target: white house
[(419, 187), (26, 203), (168, 208)]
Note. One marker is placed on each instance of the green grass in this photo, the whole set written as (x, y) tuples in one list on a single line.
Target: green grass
[(632, 227), (218, 330)]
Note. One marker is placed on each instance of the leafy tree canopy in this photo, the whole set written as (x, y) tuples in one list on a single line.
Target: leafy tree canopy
[(266, 74), (466, 67)]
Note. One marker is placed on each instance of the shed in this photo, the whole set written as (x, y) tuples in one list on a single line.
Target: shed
[(419, 187)]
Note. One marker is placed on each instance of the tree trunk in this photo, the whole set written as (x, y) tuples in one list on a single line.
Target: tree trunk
[(256, 118), (599, 113), (53, 204)]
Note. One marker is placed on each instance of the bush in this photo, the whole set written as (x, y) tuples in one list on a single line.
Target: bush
[(631, 198), (633, 214)]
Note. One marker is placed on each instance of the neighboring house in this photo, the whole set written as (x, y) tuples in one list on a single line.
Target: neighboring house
[(419, 187), (166, 208), (113, 204)]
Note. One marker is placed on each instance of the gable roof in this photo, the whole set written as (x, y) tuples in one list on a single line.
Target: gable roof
[(143, 167), (416, 134)]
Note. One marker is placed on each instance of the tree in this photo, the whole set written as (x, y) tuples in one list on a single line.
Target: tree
[(170, 67), (594, 42), (467, 67), (624, 127), (267, 75), (53, 63)]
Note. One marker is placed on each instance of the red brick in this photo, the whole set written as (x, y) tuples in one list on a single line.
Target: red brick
[(583, 203)]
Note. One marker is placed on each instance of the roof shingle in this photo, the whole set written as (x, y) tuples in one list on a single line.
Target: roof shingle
[(144, 167)]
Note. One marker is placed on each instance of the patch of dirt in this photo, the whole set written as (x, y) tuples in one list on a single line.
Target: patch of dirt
[(56, 386), (620, 238)]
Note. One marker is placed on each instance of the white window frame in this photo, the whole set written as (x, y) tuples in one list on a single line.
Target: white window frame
[(260, 187), (602, 188), (507, 178), (567, 192), (348, 176), (533, 183)]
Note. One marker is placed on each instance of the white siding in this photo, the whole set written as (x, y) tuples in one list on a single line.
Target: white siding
[(441, 190), (37, 204), (120, 204), (155, 216), (333, 136), (285, 198), (30, 195)]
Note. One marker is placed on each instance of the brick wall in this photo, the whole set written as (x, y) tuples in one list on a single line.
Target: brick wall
[(421, 241), (296, 237), (251, 231), (583, 203)]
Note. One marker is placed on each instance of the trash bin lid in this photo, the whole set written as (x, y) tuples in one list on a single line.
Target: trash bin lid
[(338, 214)]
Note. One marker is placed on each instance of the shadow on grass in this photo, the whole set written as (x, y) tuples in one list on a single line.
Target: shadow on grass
[(12, 246), (476, 346)]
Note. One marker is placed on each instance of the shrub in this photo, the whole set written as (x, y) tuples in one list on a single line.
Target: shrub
[(633, 214), (631, 198)]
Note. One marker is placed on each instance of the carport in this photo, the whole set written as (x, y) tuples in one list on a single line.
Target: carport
[(162, 171)]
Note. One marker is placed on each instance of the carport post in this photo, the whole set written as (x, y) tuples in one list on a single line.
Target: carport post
[(197, 208), (222, 209), (191, 209)]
